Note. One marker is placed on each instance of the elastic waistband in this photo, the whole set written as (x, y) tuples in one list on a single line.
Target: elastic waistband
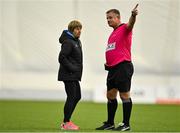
[(117, 65), (123, 62)]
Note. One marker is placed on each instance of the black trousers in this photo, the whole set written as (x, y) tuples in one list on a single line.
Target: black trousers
[(73, 91)]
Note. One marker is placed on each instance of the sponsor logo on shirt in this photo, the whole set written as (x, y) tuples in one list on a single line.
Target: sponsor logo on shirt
[(111, 46)]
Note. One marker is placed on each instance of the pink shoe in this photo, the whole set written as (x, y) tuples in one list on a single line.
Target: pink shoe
[(69, 126)]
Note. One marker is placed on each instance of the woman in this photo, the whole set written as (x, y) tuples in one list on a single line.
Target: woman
[(70, 72)]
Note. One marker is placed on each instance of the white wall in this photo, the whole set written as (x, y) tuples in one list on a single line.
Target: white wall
[(0, 41), (29, 46)]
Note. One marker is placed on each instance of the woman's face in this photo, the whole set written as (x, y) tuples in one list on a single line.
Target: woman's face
[(77, 32)]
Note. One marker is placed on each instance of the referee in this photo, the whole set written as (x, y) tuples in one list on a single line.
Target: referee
[(120, 68)]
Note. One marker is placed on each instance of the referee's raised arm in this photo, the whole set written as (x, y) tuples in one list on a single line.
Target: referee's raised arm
[(132, 19)]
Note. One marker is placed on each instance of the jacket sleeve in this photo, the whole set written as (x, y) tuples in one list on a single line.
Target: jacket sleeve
[(66, 49)]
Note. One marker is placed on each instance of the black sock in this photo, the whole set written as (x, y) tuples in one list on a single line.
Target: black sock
[(127, 107), (111, 107)]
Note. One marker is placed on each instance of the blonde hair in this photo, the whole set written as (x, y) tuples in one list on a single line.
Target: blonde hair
[(74, 24)]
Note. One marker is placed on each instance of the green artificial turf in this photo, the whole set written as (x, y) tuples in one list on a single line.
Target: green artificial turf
[(36, 116)]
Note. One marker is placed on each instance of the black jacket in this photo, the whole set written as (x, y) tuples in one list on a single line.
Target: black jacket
[(70, 58)]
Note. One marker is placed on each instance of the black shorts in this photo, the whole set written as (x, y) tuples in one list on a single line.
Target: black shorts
[(119, 76)]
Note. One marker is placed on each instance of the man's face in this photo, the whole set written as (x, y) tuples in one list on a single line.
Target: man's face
[(113, 19), (77, 32)]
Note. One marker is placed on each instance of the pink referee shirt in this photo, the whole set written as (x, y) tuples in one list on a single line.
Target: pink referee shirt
[(119, 46)]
